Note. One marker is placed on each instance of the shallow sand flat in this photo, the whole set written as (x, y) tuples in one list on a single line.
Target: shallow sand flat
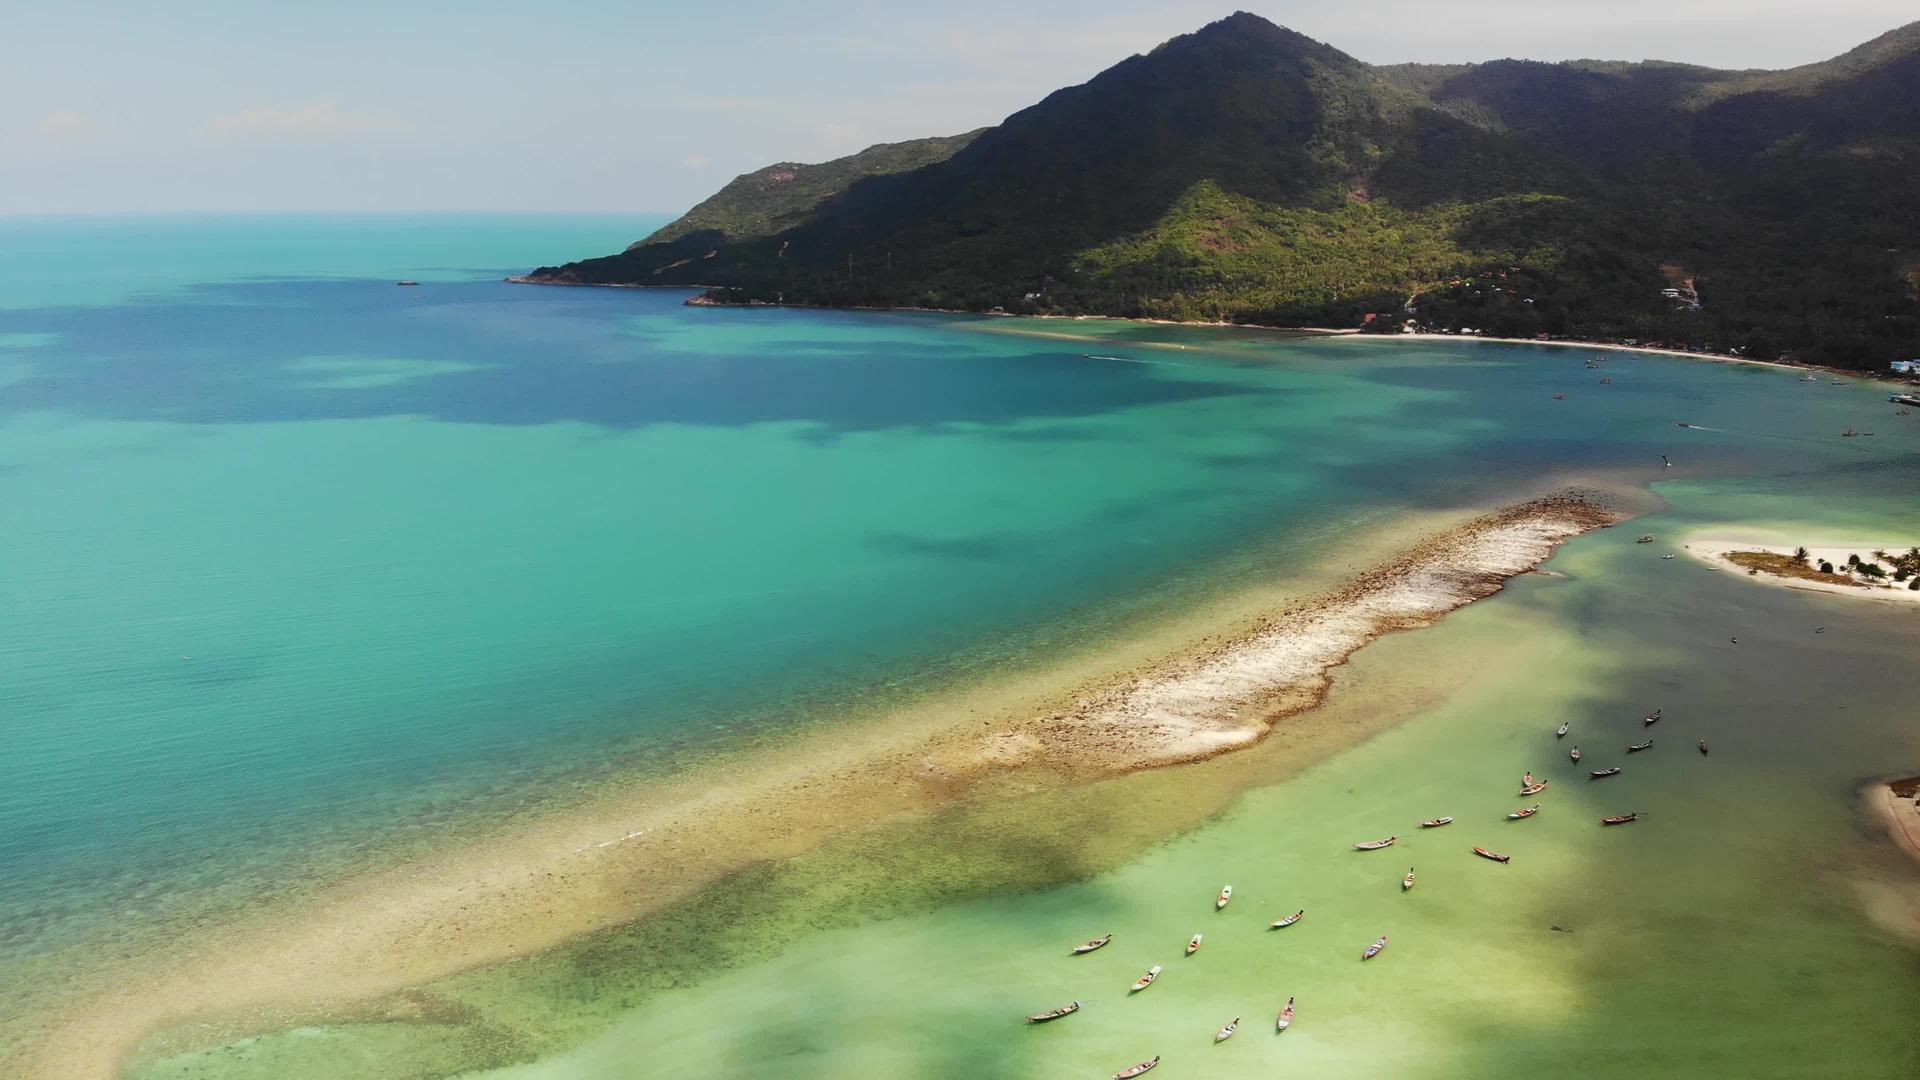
[(543, 884), (1712, 549)]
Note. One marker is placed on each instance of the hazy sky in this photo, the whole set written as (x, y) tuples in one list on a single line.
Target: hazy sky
[(635, 105)]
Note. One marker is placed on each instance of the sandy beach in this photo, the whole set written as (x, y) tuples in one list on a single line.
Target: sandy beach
[(1714, 548), (637, 851)]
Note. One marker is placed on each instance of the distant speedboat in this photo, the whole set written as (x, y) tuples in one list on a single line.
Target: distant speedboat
[(1525, 813), (1376, 845), (1096, 943), (1193, 944), (1562, 732), (1621, 819), (1289, 920), (1286, 1017), (1132, 1071), (1534, 788), (1373, 950), (1226, 894), (1226, 1033), (1434, 823), (1494, 855), (406, 283), (1054, 1014), (1636, 747), (1407, 882), (1602, 774), (1146, 980)]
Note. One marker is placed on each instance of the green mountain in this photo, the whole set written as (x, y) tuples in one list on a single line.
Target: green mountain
[(1247, 173)]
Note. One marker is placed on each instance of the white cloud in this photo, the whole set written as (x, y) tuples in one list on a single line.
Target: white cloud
[(65, 127), (696, 162), (314, 120)]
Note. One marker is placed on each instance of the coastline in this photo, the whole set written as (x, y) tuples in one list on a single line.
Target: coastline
[(544, 883), (1898, 805), (1713, 549), (1302, 331)]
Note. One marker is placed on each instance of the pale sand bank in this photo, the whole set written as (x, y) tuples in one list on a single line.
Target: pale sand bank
[(540, 884), (1713, 549)]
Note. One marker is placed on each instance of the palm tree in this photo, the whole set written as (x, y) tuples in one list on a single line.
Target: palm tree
[(1800, 555)]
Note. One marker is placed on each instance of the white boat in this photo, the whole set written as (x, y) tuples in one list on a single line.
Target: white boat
[(1561, 733), (1146, 980), (1524, 813), (1434, 823), (1132, 1071), (1096, 943), (1375, 845), (1289, 920), (1286, 1017), (1226, 894), (1574, 756), (1193, 944), (1534, 788), (1054, 1014), (1373, 950), (1407, 882), (1226, 1033)]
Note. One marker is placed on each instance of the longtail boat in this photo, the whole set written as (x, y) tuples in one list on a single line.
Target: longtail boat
[(1096, 943), (1528, 780), (1226, 894), (1703, 746), (1373, 950), (1620, 819), (1286, 1017), (1525, 812), (1054, 1014), (1434, 823), (1534, 788), (1407, 882), (1574, 755), (1602, 774), (1289, 920), (1226, 1033), (1193, 944), (1494, 855), (1562, 732), (1651, 718), (1636, 747), (1146, 980), (1375, 845), (1132, 1071)]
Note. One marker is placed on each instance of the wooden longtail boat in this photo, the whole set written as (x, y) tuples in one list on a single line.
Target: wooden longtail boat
[(1494, 855), (1602, 774), (1651, 718), (1373, 950), (1562, 733), (1096, 943), (1193, 944), (1574, 755), (1286, 1017), (1620, 819), (1289, 920), (1527, 812), (1375, 845), (1132, 1071), (1226, 894), (1146, 980), (1434, 823), (1534, 788), (1054, 1014), (1226, 1033), (1407, 882), (1636, 747), (1703, 746)]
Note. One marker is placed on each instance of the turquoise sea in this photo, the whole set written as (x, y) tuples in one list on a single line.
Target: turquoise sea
[(305, 572)]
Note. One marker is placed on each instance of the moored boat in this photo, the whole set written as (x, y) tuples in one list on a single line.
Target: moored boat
[(1620, 819), (1289, 920), (1132, 1071), (1494, 855), (1525, 812), (1651, 718), (1561, 732), (1434, 823), (1373, 950), (1375, 845), (1226, 1033), (1054, 1014), (1226, 894), (1407, 882), (1193, 944), (1636, 747), (1286, 1017), (1602, 774), (1534, 788), (1703, 746), (1528, 780), (1146, 980), (1096, 943), (1574, 755)]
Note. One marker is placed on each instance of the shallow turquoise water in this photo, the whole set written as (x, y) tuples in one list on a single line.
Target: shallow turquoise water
[(302, 567)]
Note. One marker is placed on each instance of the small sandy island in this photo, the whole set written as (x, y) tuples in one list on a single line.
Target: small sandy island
[(1899, 805), (1842, 569)]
